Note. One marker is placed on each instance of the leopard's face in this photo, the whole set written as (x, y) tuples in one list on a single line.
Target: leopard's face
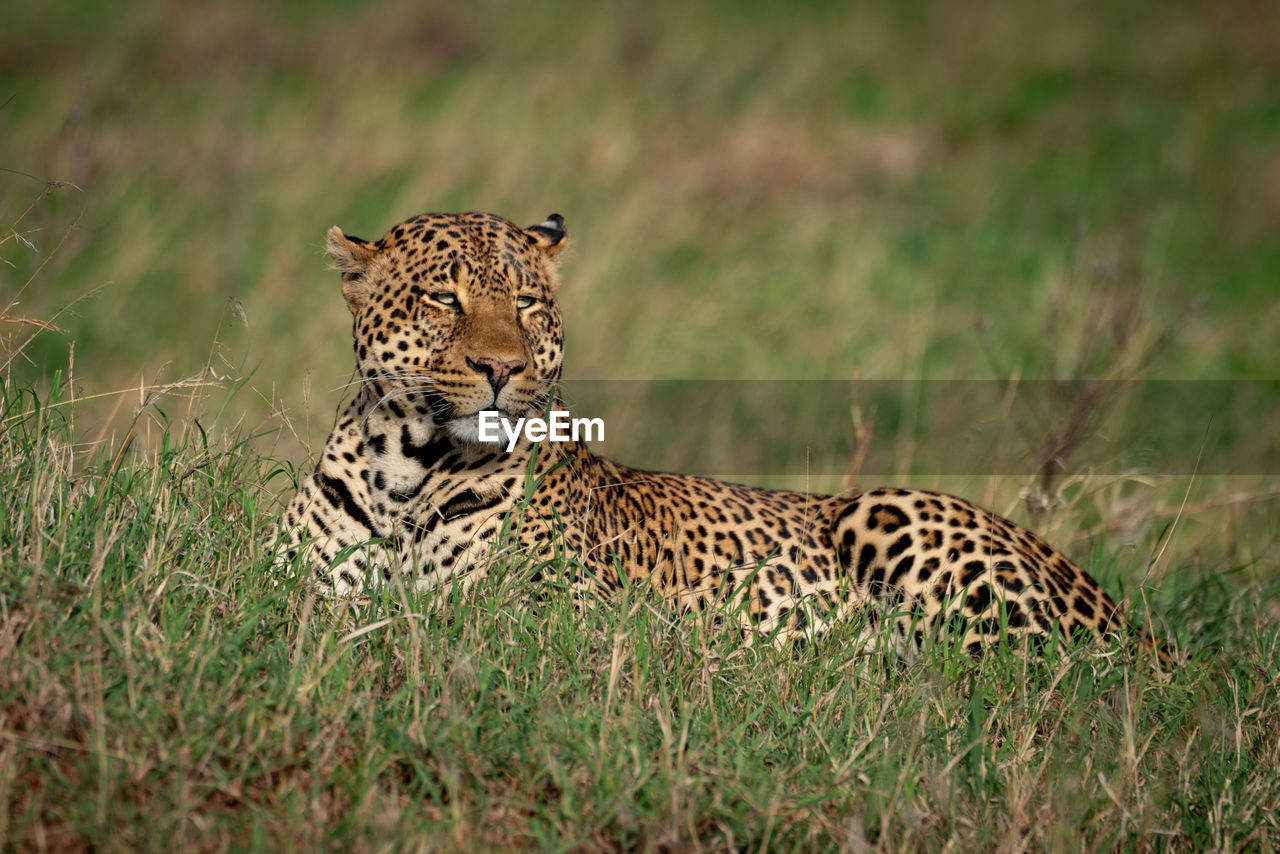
[(454, 314)]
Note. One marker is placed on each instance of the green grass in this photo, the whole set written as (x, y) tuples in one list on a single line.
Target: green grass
[(895, 192), (164, 684)]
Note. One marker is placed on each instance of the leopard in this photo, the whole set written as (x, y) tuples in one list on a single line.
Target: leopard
[(456, 315)]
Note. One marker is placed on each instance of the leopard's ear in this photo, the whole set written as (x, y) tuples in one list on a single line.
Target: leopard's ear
[(549, 235), (352, 256)]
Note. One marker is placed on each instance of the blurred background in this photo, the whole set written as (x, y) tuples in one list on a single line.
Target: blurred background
[(894, 191)]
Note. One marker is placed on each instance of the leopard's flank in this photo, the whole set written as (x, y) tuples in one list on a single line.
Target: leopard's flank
[(455, 314)]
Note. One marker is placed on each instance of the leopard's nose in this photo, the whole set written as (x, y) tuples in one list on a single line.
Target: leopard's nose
[(496, 371)]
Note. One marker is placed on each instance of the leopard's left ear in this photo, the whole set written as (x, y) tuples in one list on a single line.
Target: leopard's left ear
[(350, 254), (549, 235)]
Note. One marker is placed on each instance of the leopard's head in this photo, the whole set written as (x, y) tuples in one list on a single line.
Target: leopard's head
[(454, 314)]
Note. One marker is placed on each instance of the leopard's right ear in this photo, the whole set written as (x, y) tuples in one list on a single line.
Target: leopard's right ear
[(549, 235), (350, 254)]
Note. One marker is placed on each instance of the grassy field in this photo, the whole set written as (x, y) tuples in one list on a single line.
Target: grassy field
[(765, 203)]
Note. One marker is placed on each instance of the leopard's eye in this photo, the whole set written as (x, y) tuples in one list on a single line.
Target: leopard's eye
[(445, 298), (524, 302)]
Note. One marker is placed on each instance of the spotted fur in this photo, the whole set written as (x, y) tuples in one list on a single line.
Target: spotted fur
[(454, 314)]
